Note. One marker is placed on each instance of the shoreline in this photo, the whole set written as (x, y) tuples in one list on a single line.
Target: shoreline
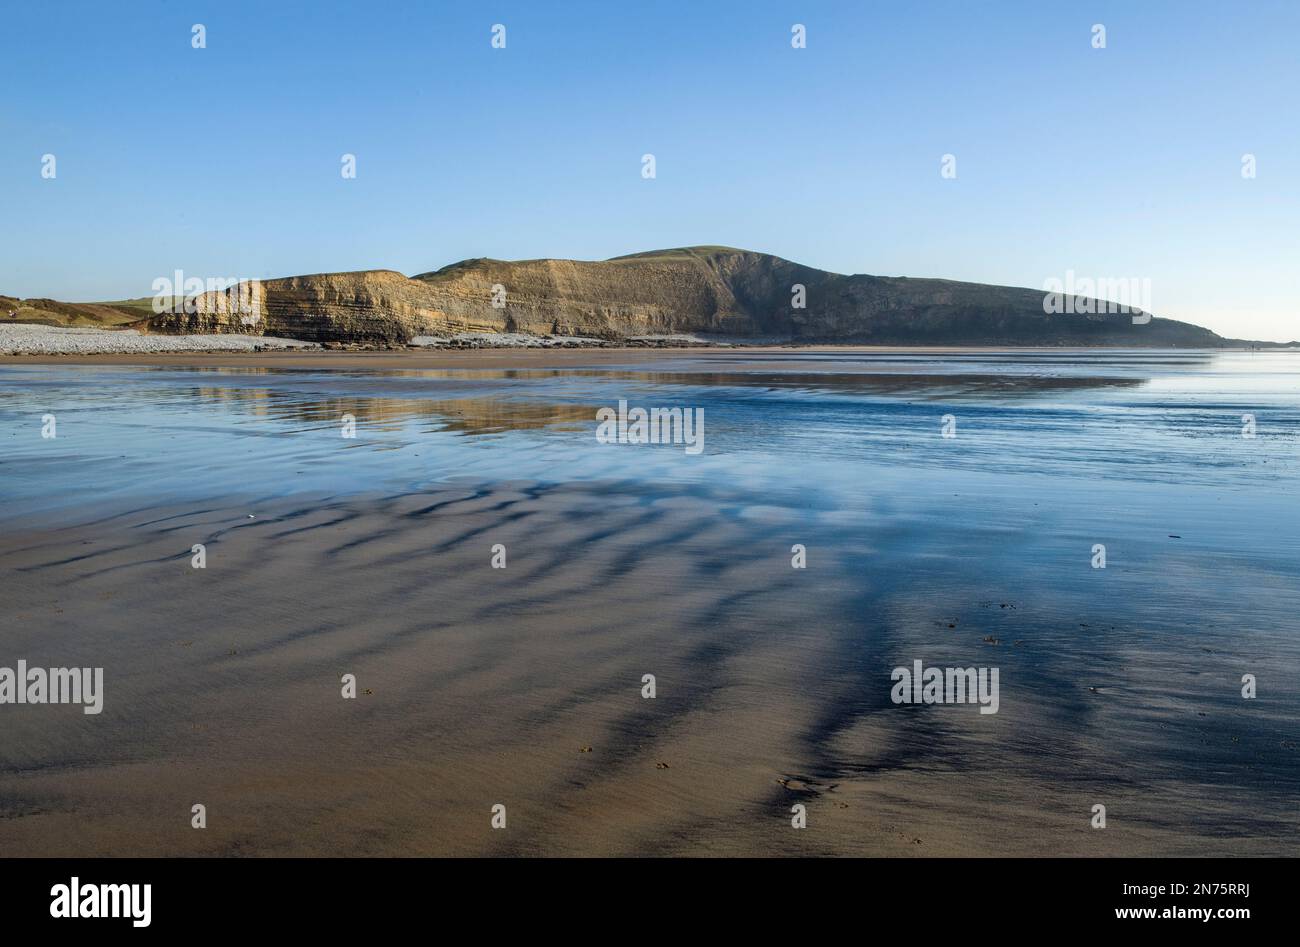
[(493, 357)]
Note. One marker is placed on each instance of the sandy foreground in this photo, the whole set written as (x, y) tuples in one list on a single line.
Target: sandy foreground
[(523, 687)]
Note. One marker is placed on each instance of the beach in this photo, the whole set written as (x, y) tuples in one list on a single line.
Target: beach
[(500, 584)]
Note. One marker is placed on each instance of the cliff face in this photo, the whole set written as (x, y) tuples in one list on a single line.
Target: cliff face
[(707, 290), (369, 306)]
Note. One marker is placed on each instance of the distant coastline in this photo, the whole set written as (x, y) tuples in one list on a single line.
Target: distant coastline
[(687, 296)]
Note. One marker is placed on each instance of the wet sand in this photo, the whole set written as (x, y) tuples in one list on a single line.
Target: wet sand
[(522, 686), (517, 358), (480, 686)]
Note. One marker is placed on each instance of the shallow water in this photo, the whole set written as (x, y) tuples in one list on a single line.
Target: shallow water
[(832, 429), (1145, 448)]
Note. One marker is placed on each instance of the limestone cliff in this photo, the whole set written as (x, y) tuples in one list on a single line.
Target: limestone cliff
[(717, 291)]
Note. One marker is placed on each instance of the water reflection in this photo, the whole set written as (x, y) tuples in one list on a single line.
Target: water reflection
[(835, 423), (475, 400), (461, 415)]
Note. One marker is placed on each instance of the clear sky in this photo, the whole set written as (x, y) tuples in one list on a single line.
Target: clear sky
[(1115, 163)]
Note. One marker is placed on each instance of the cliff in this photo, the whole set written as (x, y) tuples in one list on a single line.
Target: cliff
[(711, 291)]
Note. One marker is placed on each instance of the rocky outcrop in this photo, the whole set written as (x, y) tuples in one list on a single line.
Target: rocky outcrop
[(715, 291)]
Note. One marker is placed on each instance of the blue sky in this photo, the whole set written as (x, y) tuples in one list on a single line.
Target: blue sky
[(1114, 163)]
